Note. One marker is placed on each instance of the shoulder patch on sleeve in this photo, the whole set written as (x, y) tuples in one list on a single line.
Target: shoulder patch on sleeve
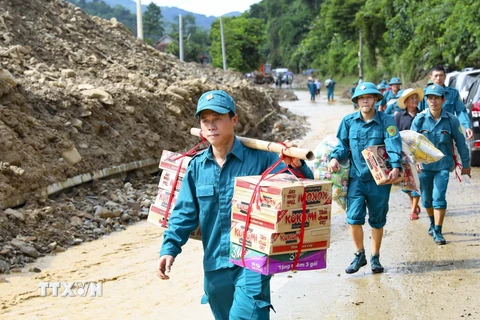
[(392, 130), (460, 129)]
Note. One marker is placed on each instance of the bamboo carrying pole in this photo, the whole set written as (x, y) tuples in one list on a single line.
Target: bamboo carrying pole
[(293, 152)]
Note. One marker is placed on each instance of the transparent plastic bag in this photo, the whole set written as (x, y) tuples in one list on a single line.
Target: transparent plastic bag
[(339, 179), (420, 147)]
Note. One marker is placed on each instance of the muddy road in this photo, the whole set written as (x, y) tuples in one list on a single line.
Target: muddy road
[(421, 281)]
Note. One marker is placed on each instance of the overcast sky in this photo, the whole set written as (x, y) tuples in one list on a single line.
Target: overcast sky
[(206, 7)]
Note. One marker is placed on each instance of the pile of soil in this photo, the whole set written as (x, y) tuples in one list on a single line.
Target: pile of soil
[(79, 94)]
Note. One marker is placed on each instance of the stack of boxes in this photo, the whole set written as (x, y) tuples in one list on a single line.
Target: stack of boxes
[(173, 166), (273, 236)]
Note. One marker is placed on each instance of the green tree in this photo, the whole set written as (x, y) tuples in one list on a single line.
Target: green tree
[(257, 10), (243, 38), (196, 41), (287, 22), (331, 44), (462, 37), (152, 22)]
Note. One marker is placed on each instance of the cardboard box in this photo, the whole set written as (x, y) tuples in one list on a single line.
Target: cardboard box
[(172, 161), (284, 191), (261, 263), (162, 198), (376, 158), (167, 180), (411, 181), (156, 216), (281, 220), (268, 242)]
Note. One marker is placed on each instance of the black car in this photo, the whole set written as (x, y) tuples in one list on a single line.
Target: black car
[(473, 109)]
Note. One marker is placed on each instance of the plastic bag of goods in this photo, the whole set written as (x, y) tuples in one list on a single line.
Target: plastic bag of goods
[(411, 181), (339, 179), (422, 149)]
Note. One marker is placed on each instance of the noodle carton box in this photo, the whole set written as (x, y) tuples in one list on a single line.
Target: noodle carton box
[(163, 197), (284, 191), (167, 180), (157, 216), (376, 158), (174, 162), (281, 220), (264, 264), (270, 243)]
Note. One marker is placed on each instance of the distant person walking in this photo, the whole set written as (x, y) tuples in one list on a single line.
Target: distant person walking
[(395, 85), (330, 84), (312, 88), (318, 84), (381, 104)]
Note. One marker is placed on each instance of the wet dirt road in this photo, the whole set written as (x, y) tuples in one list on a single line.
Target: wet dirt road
[(422, 280)]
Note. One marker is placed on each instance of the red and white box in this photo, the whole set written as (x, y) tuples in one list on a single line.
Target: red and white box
[(284, 191), (163, 197), (174, 166), (172, 161), (157, 216), (167, 180), (268, 242), (282, 220), (376, 158)]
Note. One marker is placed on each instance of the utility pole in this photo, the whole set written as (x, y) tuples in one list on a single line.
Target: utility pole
[(180, 36), (360, 63), (224, 56), (139, 20)]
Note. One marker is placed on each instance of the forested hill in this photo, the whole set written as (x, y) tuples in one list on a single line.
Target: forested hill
[(402, 38)]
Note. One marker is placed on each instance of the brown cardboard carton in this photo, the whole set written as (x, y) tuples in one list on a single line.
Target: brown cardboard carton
[(268, 242), (281, 220), (284, 191), (172, 161), (376, 158), (163, 197), (156, 216), (167, 180)]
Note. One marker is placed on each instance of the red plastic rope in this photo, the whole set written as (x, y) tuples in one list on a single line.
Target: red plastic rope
[(255, 200), (457, 164), (193, 151), (297, 173), (172, 193)]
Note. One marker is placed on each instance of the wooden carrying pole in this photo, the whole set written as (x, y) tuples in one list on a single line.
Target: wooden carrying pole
[(269, 146)]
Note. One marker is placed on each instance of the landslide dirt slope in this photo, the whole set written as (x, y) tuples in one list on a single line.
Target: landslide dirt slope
[(72, 83)]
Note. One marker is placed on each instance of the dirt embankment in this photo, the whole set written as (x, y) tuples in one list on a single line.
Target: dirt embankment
[(79, 94)]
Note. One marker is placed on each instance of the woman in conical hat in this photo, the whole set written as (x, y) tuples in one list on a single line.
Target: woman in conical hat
[(409, 101)]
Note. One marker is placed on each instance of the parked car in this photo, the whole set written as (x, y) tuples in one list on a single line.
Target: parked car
[(451, 76), (463, 81), (473, 108)]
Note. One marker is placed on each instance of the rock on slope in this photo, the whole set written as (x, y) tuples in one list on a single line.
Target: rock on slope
[(79, 93)]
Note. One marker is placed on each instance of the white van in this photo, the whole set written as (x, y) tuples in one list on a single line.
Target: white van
[(463, 81)]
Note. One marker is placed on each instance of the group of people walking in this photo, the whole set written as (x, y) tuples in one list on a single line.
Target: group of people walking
[(205, 197), (314, 87), (435, 111)]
